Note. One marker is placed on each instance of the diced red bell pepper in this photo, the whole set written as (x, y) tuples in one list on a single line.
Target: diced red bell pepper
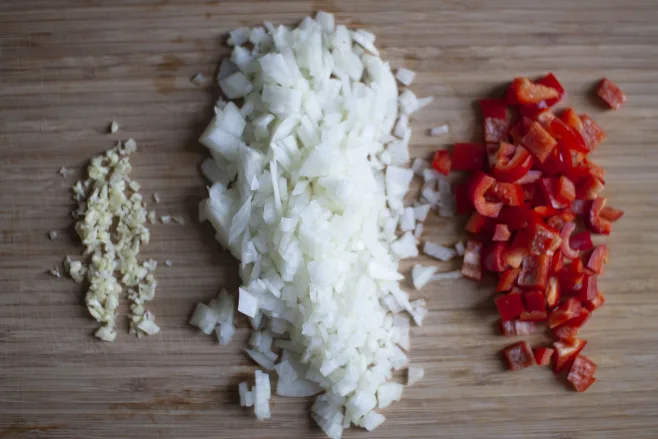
[(518, 249), (592, 133), (566, 352), (472, 265), (582, 241), (549, 190), (552, 292), (501, 233), (543, 355), (557, 262), (509, 306), (568, 330), (566, 248), (551, 81), (442, 161), (480, 184), (512, 168), (514, 217), (571, 282), (531, 177), (534, 301), (594, 219), (571, 118), (507, 279), (559, 220), (476, 223), (589, 187), (511, 328), (495, 120), (493, 258), (519, 356), (580, 207), (525, 92), (566, 135), (581, 374), (468, 157), (496, 152), (463, 198), (595, 303), (589, 289), (533, 316), (516, 132), (509, 194), (598, 257), (534, 273), (538, 142), (543, 239), (566, 311), (565, 191), (611, 94), (611, 214)]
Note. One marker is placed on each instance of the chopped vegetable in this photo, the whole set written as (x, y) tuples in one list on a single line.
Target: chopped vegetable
[(611, 94), (543, 356), (519, 356)]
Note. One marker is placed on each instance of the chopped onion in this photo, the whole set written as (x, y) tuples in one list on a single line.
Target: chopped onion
[(414, 374), (422, 275), (405, 76), (439, 252)]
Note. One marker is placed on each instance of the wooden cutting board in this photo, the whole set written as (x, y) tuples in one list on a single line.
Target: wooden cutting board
[(67, 68)]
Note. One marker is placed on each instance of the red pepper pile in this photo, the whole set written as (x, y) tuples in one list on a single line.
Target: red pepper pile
[(531, 189)]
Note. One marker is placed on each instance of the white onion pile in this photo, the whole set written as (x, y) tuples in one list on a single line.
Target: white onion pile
[(307, 192)]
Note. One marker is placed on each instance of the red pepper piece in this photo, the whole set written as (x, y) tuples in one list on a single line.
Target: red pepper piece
[(516, 132), (468, 157), (534, 273), (566, 352), (566, 135), (442, 162), (543, 239), (559, 220), (511, 328), (495, 120), (568, 330), (611, 214), (551, 81), (580, 207), (589, 289), (509, 306), (499, 151), (598, 257), (552, 292), (549, 190), (514, 217), (519, 356), (480, 184), (581, 374), (463, 199), (476, 223), (531, 177), (493, 258), (566, 248), (509, 194), (543, 355), (501, 233), (589, 188), (594, 219), (595, 303), (533, 316), (557, 262), (592, 133), (571, 118), (518, 249), (565, 192), (538, 142), (611, 94), (507, 279), (472, 266), (565, 312), (512, 168), (526, 92), (582, 241), (534, 301)]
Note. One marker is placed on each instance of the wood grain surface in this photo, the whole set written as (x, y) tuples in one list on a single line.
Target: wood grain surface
[(67, 68)]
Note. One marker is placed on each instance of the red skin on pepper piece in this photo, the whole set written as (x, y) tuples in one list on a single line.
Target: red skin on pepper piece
[(589, 187), (571, 118), (582, 241), (592, 133), (595, 303), (565, 191), (581, 374), (480, 183), (468, 157), (538, 142), (531, 177), (542, 238), (566, 248), (495, 120), (501, 233), (594, 220), (519, 356), (611, 214), (509, 194), (463, 198), (472, 266), (534, 301), (507, 279), (493, 258), (525, 92), (476, 223), (511, 168), (566, 352), (567, 310), (580, 207), (534, 273), (566, 135), (442, 162), (549, 190), (511, 328), (589, 289), (611, 94), (598, 257), (509, 306), (569, 330), (552, 292), (557, 262), (543, 356)]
